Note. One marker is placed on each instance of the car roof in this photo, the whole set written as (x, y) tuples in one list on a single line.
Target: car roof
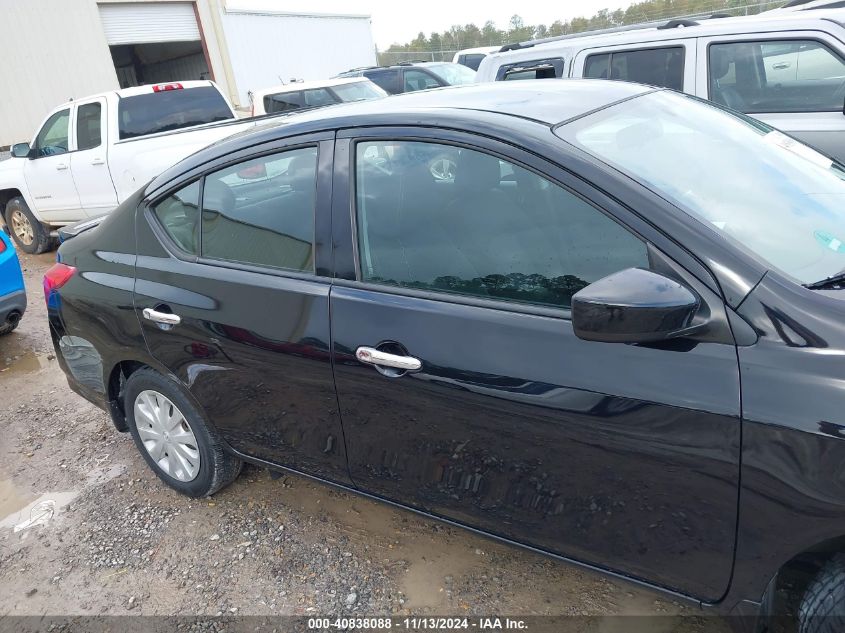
[(533, 101), (773, 22), (307, 85), (139, 90)]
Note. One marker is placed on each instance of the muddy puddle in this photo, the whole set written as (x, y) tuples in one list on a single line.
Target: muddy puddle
[(14, 361)]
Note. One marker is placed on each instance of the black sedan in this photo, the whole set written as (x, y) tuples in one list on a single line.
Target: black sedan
[(597, 319)]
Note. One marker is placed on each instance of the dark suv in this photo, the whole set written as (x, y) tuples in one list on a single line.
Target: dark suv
[(413, 76), (613, 331)]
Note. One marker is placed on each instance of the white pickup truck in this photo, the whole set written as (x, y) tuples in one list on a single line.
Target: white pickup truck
[(90, 154)]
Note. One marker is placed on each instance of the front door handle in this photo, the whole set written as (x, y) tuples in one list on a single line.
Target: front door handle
[(98, 161), (61, 166), (161, 317), (372, 356)]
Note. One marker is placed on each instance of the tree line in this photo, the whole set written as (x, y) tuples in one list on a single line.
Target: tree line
[(441, 46)]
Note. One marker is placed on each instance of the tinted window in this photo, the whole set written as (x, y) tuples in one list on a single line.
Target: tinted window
[(776, 76), (262, 211), (178, 214), (53, 137), (88, 125), (283, 102), (534, 69), (387, 79), (652, 66), (418, 80), (471, 61), (170, 110), (482, 226)]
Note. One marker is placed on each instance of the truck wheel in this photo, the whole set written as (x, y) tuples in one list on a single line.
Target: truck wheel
[(823, 605), (29, 234)]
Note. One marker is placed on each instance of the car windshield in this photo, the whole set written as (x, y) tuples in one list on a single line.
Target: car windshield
[(358, 91), (775, 196), (453, 74), (169, 110)]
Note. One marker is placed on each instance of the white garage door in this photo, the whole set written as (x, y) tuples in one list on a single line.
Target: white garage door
[(146, 22)]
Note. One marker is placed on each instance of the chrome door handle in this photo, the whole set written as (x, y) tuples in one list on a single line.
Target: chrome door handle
[(161, 317), (372, 356), (781, 65), (61, 166), (98, 161)]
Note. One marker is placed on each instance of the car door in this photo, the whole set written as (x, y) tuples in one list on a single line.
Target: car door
[(233, 300), (465, 393), (47, 171), (89, 162), (794, 81), (666, 63)]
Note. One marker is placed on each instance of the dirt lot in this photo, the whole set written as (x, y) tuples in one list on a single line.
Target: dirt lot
[(120, 542)]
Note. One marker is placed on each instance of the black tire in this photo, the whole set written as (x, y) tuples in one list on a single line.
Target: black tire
[(217, 468), (823, 604), (41, 240), (6, 328)]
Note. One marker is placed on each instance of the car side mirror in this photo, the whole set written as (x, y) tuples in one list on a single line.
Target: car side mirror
[(633, 306), (20, 150)]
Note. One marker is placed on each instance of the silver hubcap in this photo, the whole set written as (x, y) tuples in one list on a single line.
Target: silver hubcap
[(442, 169), (166, 435), (22, 228)]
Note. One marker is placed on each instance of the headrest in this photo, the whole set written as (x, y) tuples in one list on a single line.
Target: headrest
[(217, 196), (476, 171)]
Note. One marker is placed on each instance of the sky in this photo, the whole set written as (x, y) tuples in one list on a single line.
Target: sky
[(399, 21)]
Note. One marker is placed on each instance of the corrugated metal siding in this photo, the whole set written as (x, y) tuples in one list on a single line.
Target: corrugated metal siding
[(142, 22), (266, 49), (38, 76)]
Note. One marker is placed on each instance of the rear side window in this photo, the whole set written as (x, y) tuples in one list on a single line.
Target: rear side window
[(454, 220), (387, 80), (262, 211), (178, 215), (653, 66), (776, 76), (534, 69), (419, 80), (283, 102), (168, 110), (88, 126), (472, 60)]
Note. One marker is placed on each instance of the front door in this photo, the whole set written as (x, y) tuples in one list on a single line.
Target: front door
[(89, 163), (794, 82), (47, 171), (465, 393), (240, 277)]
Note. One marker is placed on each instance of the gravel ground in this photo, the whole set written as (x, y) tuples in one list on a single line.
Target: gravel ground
[(120, 542)]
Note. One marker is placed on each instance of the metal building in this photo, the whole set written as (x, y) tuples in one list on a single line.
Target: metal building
[(79, 47)]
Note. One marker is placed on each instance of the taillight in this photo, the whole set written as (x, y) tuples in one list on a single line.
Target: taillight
[(166, 87), (3, 246), (56, 277)]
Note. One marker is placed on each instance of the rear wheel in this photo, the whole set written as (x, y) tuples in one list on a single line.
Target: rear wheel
[(174, 438), (29, 234), (823, 605)]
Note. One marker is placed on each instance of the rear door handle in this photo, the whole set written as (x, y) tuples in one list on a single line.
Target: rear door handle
[(98, 161), (161, 317), (61, 166), (781, 65), (372, 356)]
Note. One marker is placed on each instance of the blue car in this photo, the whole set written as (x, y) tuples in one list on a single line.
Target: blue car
[(12, 293)]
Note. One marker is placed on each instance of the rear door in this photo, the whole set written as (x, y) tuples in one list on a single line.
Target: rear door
[(246, 280), (489, 410), (794, 81), (667, 63), (89, 162)]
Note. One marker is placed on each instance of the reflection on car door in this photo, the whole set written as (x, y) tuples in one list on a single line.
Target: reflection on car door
[(619, 455), (252, 341), (89, 162)]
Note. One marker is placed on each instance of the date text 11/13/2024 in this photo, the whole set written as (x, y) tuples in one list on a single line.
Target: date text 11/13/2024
[(417, 623)]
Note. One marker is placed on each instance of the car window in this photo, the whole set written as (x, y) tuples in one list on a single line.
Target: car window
[(447, 219), (777, 76), (386, 79), (653, 66), (358, 91), (53, 137), (418, 80), (317, 97), (170, 109), (283, 101), (262, 211), (532, 69), (178, 215), (88, 126), (451, 74), (473, 60)]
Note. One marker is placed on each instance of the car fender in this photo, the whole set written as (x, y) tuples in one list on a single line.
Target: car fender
[(12, 177)]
